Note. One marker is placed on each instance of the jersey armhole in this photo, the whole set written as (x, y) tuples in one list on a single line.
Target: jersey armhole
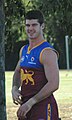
[(20, 53), (48, 48)]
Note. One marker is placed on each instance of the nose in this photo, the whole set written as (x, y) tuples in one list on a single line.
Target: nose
[(30, 27)]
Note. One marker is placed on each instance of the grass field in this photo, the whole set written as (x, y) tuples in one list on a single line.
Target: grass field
[(63, 96)]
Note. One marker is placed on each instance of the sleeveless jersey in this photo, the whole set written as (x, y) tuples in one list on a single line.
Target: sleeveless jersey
[(32, 71)]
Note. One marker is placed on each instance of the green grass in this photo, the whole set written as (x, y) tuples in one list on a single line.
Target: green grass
[(65, 88), (63, 96)]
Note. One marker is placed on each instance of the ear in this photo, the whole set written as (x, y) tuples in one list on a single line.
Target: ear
[(43, 25)]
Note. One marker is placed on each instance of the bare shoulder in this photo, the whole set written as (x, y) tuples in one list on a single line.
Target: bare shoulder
[(48, 56)]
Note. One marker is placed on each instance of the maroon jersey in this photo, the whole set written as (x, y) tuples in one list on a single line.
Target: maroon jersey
[(33, 79), (32, 71)]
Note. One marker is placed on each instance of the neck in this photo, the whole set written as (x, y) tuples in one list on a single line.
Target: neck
[(34, 42)]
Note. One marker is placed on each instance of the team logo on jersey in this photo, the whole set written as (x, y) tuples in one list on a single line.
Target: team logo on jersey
[(32, 59), (27, 76)]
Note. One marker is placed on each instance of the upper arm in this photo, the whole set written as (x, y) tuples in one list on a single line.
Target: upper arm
[(18, 64), (50, 63), (16, 76)]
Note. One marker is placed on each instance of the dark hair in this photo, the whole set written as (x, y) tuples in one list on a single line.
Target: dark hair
[(35, 14)]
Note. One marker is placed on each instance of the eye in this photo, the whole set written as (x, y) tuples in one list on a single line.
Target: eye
[(27, 25)]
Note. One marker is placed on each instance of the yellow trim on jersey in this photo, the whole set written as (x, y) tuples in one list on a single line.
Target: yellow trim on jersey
[(48, 49), (35, 46), (21, 51), (49, 112)]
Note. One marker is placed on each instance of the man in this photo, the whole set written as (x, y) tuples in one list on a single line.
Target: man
[(37, 73)]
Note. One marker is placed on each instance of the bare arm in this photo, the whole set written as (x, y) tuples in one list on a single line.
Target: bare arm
[(16, 76), (16, 94), (49, 60)]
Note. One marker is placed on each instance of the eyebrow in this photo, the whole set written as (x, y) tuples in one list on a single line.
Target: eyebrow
[(32, 24)]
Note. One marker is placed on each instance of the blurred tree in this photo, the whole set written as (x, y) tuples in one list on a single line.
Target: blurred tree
[(58, 19), (2, 64), (14, 26), (14, 31)]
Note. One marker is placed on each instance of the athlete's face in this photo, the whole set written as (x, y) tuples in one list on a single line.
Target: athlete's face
[(33, 28)]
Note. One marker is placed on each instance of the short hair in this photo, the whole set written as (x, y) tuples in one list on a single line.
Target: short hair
[(35, 14)]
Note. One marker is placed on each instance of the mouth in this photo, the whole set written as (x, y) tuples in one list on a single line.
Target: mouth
[(31, 33)]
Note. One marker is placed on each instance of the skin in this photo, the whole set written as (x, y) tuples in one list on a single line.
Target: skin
[(49, 60), (34, 31)]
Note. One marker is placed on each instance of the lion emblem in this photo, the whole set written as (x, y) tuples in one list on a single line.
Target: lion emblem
[(27, 76)]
